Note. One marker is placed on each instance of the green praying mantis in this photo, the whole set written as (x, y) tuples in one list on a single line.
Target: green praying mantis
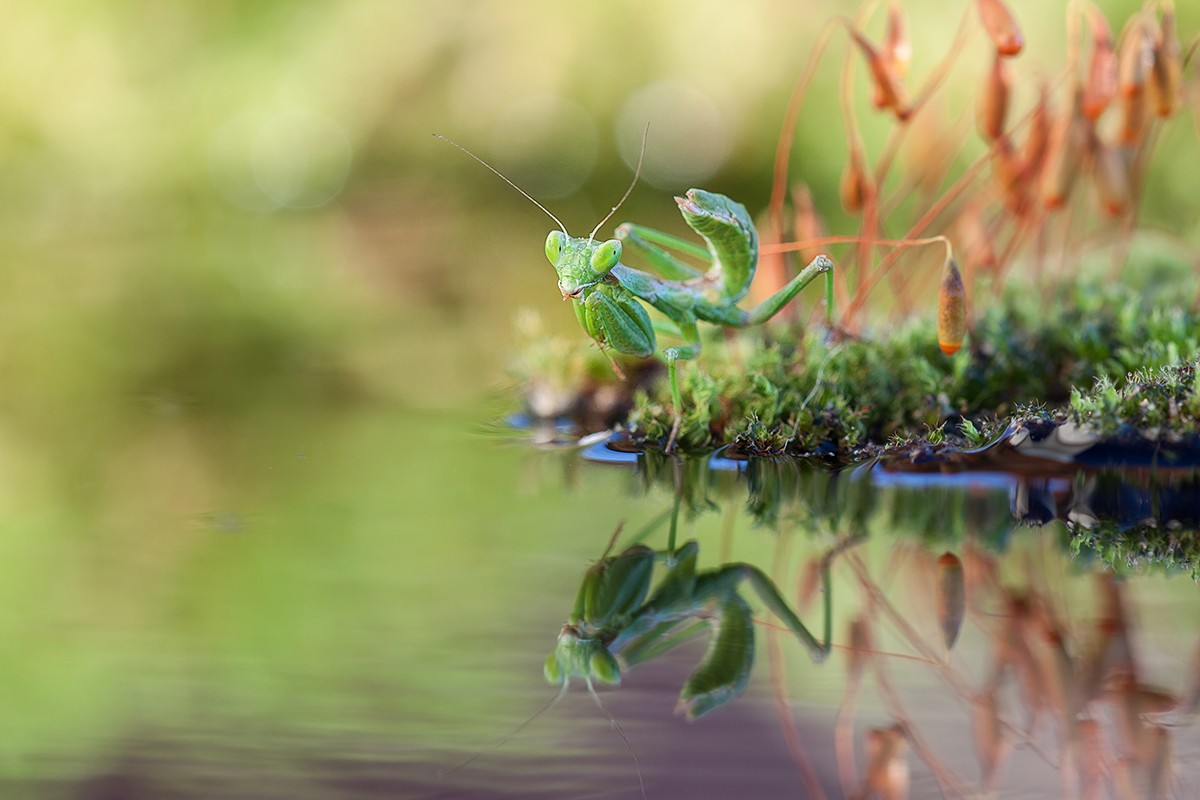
[(608, 295), (614, 623)]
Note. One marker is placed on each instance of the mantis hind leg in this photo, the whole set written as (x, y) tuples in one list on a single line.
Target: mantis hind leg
[(727, 579), (775, 303), (690, 351)]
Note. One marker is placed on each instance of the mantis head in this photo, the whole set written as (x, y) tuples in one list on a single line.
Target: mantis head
[(580, 263), (612, 590), (578, 653)]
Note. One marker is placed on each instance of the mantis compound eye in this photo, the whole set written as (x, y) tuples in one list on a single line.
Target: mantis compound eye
[(606, 256), (603, 667), (554, 246), (552, 669)]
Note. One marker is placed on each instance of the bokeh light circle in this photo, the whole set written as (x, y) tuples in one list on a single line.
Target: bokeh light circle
[(300, 158), (689, 137), (261, 161)]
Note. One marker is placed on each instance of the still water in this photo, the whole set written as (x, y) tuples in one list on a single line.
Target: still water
[(358, 603)]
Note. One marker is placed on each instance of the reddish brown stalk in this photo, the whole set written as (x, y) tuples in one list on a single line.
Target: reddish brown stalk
[(847, 648), (1008, 173), (953, 679), (855, 182), (976, 239), (771, 272), (948, 781), (932, 153), (1071, 139), (843, 729), (961, 36), (779, 689), (1038, 139), (943, 202), (858, 191), (1014, 241), (857, 302), (1137, 181), (791, 116), (991, 746), (788, 247)]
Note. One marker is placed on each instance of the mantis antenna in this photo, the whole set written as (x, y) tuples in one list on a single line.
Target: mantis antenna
[(617, 727), (518, 729), (562, 227), (637, 172)]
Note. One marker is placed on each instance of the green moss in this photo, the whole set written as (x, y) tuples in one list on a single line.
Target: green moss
[(806, 393), (1101, 354)]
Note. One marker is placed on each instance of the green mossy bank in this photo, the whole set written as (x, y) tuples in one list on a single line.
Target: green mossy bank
[(1105, 355)]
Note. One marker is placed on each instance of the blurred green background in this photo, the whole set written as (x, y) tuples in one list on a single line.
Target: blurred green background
[(253, 318)]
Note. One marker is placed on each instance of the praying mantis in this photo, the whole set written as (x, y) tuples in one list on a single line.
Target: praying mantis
[(613, 623), (608, 296)]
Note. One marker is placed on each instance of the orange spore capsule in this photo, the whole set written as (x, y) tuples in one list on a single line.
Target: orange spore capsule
[(897, 48), (950, 597), (1101, 84), (951, 323), (889, 91), (1168, 64), (854, 186), (1001, 26), (1112, 177)]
